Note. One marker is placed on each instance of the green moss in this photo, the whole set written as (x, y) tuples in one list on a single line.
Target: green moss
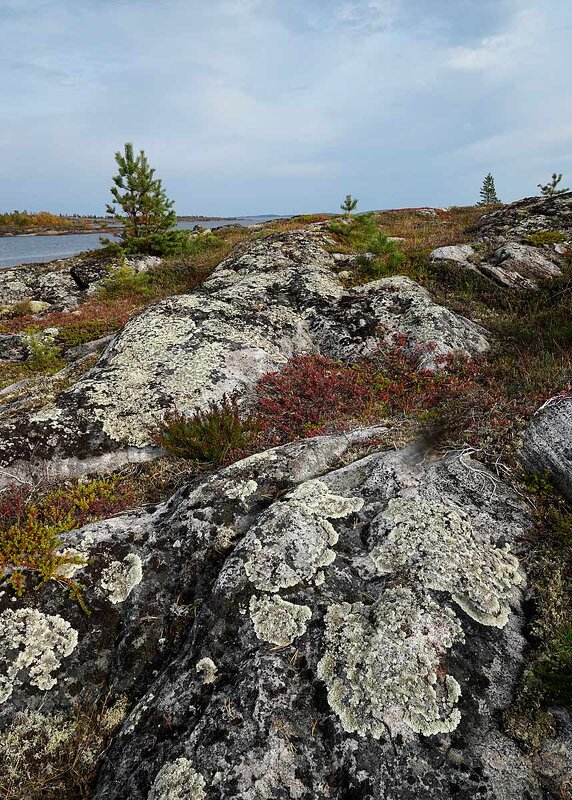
[(545, 237), (547, 679)]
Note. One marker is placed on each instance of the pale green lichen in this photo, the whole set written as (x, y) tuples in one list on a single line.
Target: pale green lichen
[(436, 546), (32, 646), (178, 780), (120, 577), (49, 755), (276, 620), (241, 490), (207, 669), (382, 664), (293, 540)]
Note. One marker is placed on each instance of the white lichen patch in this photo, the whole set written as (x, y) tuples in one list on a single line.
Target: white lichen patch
[(207, 668), (293, 540), (32, 646), (382, 665), (276, 620), (178, 781), (241, 490), (436, 545), (121, 577)]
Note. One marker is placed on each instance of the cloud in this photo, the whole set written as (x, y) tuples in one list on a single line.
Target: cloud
[(245, 105)]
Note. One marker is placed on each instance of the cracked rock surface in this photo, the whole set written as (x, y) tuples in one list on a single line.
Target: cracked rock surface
[(317, 652)]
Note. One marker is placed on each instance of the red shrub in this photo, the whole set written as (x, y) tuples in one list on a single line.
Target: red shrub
[(312, 391)]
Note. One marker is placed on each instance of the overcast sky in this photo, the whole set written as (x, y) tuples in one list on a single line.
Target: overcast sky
[(282, 106)]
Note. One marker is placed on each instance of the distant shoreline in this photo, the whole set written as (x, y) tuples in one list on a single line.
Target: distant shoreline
[(114, 229)]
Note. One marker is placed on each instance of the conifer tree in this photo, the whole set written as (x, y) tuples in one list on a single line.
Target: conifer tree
[(549, 189), (349, 204), (488, 191), (141, 204)]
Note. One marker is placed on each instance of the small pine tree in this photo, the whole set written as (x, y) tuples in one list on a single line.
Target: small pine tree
[(140, 203), (488, 191), (349, 204), (549, 189)]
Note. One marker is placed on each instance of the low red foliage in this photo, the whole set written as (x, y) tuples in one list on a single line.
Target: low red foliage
[(114, 313)]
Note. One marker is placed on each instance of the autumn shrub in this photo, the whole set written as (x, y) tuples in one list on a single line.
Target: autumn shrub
[(312, 391), (208, 436), (31, 527)]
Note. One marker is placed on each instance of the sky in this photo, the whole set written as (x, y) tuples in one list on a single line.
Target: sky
[(284, 106)]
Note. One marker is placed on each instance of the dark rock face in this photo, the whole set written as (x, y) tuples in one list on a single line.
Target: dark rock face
[(13, 347), (274, 299), (547, 445), (296, 628), (510, 257)]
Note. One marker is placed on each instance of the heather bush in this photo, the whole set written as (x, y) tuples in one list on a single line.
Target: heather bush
[(208, 435)]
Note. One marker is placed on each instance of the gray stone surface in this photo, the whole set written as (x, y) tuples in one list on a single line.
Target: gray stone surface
[(344, 660), (547, 444), (502, 250), (274, 298)]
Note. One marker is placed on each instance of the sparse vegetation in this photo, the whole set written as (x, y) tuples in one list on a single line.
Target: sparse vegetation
[(551, 188), (206, 436), (350, 204), (32, 523), (49, 757), (363, 234), (547, 679), (545, 237)]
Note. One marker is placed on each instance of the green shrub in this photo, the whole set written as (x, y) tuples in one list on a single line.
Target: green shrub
[(31, 548), (362, 234), (207, 436), (44, 354), (125, 281)]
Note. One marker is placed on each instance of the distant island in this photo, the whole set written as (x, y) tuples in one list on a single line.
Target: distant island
[(44, 223)]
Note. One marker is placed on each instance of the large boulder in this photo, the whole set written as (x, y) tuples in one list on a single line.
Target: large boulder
[(49, 283), (517, 221), (520, 246), (307, 623), (547, 446), (277, 297)]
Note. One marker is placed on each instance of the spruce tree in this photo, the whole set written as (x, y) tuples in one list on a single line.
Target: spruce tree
[(488, 192), (349, 204), (549, 189), (141, 205)]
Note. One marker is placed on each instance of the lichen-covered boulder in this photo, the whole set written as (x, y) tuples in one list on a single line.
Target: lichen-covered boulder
[(49, 283), (307, 623), (13, 347), (547, 446), (520, 246), (517, 221), (520, 266), (277, 297)]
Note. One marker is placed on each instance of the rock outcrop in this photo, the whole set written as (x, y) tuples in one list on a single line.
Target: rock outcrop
[(275, 298), (547, 447), (520, 246), (301, 625), (64, 283)]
